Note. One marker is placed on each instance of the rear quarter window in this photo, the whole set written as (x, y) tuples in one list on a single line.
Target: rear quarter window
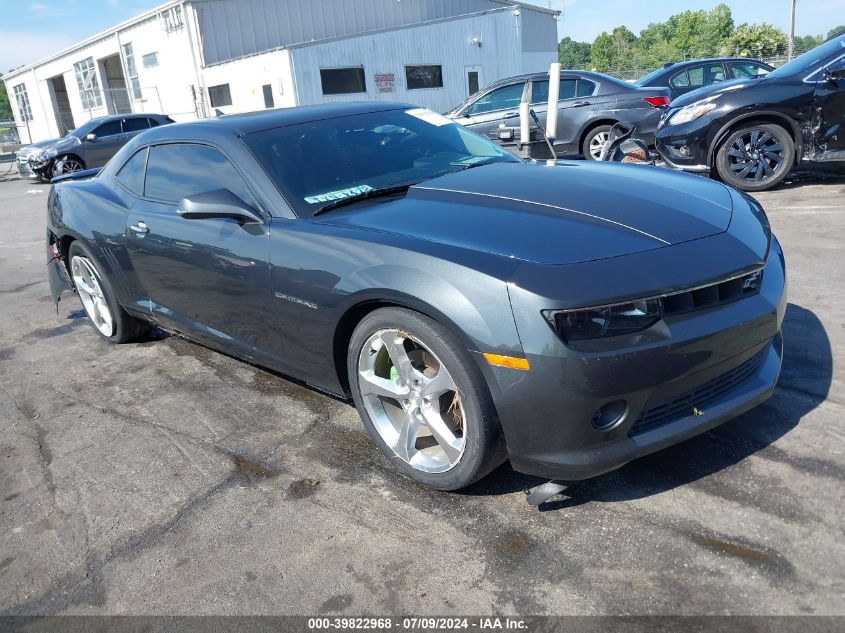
[(131, 175)]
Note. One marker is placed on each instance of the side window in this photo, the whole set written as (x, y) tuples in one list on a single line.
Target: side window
[(567, 88), (746, 69), (680, 80), (183, 169), (706, 75), (108, 129), (131, 175), (499, 99), (586, 88), (136, 124), (539, 92)]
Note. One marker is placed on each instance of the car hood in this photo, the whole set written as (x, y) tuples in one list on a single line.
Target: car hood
[(567, 213), (52, 146), (714, 90)]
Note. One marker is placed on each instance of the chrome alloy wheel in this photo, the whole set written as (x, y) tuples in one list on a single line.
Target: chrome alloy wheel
[(756, 155), (87, 283), (412, 400), (597, 144), (67, 166)]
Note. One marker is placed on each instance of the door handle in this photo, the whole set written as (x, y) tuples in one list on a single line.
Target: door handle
[(140, 228), (580, 104)]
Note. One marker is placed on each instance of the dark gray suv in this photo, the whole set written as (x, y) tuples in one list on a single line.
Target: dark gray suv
[(90, 145)]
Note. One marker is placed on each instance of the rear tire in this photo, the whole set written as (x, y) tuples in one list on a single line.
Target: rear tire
[(98, 299), (422, 400), (595, 141), (756, 156)]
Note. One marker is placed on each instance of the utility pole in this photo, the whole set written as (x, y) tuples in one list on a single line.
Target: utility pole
[(792, 32)]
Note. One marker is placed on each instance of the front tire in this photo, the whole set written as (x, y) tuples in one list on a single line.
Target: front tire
[(98, 299), (422, 400), (595, 141), (756, 156), (67, 165)]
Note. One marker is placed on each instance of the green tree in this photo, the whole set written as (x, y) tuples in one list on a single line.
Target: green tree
[(5, 106), (573, 54), (835, 31), (718, 26), (755, 40), (601, 52)]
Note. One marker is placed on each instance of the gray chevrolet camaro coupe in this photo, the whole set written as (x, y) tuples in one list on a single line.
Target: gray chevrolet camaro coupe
[(477, 308)]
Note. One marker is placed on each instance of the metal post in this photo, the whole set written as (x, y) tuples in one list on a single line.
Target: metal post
[(791, 32)]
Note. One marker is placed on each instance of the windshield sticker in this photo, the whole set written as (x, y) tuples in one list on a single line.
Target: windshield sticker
[(340, 194), (428, 116)]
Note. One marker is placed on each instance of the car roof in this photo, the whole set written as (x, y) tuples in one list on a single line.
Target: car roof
[(129, 115), (251, 122), (589, 74), (704, 60)]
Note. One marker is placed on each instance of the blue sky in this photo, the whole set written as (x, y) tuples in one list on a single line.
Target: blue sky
[(30, 30)]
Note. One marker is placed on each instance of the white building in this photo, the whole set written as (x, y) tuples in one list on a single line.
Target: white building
[(197, 58)]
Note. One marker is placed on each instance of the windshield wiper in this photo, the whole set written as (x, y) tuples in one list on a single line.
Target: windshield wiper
[(367, 195)]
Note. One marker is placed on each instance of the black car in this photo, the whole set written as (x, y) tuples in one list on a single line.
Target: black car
[(590, 104), (753, 131), (90, 145), (684, 77), (476, 307)]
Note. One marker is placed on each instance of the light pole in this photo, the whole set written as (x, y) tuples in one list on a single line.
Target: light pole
[(792, 32)]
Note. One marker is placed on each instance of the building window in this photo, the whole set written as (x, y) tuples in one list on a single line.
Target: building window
[(417, 77), (132, 70), (150, 60), (342, 81), (171, 19), (219, 95), (268, 96), (22, 100), (89, 85)]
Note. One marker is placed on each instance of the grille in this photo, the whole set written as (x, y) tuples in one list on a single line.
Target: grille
[(700, 398), (713, 295)]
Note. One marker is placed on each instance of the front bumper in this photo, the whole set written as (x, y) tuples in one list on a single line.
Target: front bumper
[(691, 373), (684, 146)]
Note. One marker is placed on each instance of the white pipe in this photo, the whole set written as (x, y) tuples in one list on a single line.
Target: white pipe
[(524, 129), (554, 93)]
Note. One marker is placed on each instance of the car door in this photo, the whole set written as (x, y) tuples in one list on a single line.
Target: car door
[(829, 113), (500, 105), (206, 277), (576, 103), (108, 138)]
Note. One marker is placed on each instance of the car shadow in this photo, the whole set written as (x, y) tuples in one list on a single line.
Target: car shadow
[(804, 384)]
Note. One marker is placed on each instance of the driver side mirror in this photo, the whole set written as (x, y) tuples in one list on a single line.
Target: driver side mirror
[(220, 203), (91, 137)]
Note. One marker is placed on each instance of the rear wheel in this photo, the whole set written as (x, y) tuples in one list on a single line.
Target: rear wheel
[(756, 156), (99, 301), (595, 141), (423, 402)]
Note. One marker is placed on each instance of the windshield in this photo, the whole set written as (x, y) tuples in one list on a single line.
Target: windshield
[(808, 61), (644, 81), (317, 163)]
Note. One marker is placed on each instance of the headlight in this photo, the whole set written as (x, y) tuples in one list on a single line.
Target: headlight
[(691, 112), (41, 155), (604, 321)]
